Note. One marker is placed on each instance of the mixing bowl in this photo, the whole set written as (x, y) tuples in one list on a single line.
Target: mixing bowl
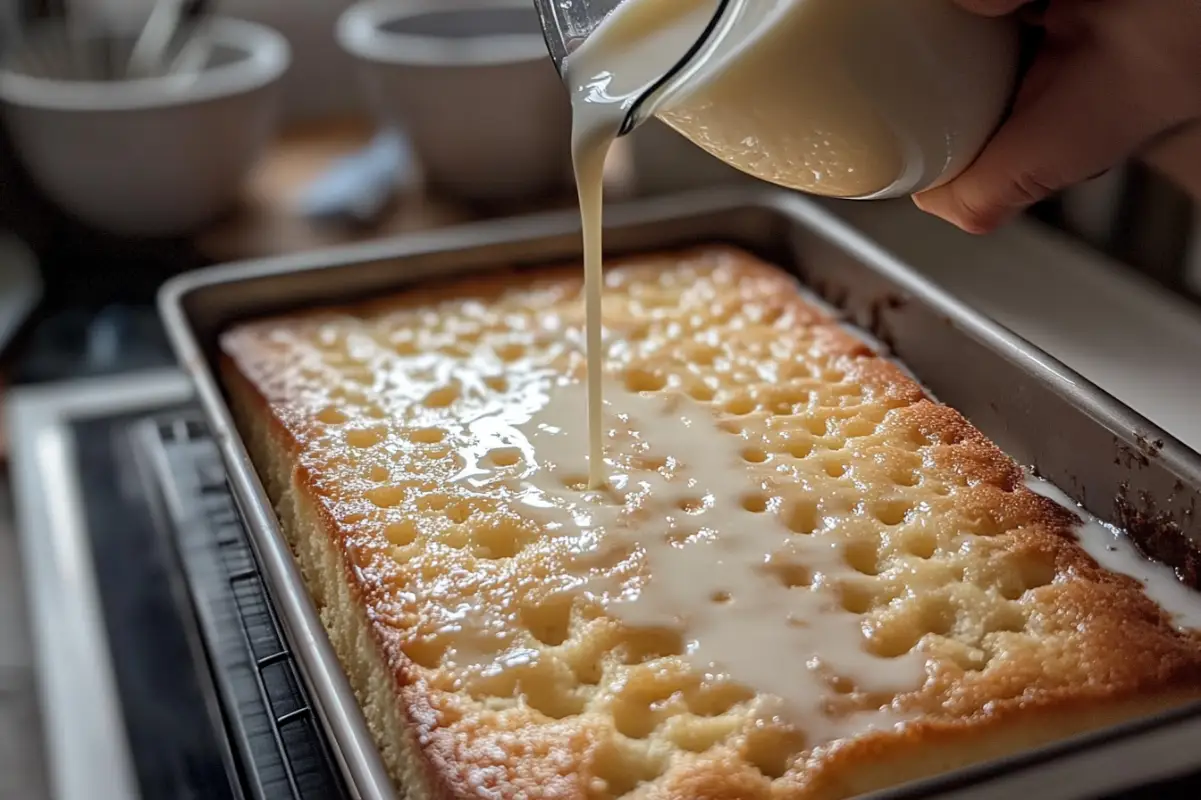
[(151, 157), (470, 84)]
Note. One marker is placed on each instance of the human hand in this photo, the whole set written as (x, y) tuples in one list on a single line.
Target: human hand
[(1111, 77)]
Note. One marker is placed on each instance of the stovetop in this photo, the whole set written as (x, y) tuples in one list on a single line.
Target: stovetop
[(203, 698), (278, 748)]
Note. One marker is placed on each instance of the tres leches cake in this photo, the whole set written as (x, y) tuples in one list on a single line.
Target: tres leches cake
[(803, 578)]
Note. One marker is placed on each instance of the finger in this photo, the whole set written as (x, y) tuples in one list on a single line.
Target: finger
[(1088, 114), (992, 8)]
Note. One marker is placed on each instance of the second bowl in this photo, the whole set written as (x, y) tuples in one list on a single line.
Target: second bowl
[(471, 84)]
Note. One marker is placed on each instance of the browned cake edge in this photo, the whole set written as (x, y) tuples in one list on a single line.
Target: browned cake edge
[(403, 722), (390, 702)]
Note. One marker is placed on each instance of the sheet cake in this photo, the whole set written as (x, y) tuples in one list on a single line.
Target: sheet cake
[(805, 578)]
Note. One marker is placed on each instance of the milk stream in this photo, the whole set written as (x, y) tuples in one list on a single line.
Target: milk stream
[(605, 76)]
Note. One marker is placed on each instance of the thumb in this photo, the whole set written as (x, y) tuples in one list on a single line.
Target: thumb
[(1078, 115)]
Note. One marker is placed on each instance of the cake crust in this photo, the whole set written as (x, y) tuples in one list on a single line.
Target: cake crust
[(353, 417)]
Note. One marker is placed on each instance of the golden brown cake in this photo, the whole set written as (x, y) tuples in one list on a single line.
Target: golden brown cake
[(804, 580)]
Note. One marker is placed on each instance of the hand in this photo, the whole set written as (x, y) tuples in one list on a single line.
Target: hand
[(1111, 77)]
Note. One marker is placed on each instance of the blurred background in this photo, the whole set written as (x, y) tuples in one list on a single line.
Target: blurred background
[(249, 162), (265, 127)]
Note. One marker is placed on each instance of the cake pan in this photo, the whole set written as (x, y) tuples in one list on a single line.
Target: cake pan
[(1118, 465)]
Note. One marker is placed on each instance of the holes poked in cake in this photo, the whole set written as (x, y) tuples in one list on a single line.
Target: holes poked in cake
[(715, 698), (786, 402), (700, 354), (549, 620), (616, 772), (535, 680), (936, 614), (857, 597), (575, 482), (817, 424), (386, 496), (360, 374), (364, 438), (443, 396), (740, 406), (503, 457), (694, 735), (427, 435), (427, 652), (893, 638), (772, 750), (498, 537), (863, 555), (721, 597), (332, 416), (802, 516), (433, 502), (833, 375), (644, 380), (701, 392), (755, 502), (644, 701), (841, 685), (922, 544), (836, 466), (798, 448), (649, 463), (402, 533), (553, 700), (464, 509), (791, 574), (404, 343), (640, 645), (509, 352), (754, 455), (588, 670), (892, 512), (1019, 573)]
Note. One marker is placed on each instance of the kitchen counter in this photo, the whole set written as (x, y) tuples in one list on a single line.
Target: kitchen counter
[(1126, 335)]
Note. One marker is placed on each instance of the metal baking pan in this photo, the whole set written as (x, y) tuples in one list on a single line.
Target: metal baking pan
[(1117, 464)]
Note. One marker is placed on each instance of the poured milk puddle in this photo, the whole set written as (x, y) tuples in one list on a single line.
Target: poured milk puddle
[(1114, 551)]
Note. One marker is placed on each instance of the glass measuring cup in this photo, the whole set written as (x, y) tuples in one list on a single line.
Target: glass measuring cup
[(567, 23), (863, 100)]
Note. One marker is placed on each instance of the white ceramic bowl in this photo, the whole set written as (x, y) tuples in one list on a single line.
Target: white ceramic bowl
[(152, 157), (472, 85)]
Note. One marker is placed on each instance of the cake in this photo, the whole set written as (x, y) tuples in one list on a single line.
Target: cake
[(804, 578)]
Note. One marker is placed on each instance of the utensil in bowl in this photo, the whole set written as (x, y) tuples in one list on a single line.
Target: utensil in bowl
[(470, 84), (167, 18)]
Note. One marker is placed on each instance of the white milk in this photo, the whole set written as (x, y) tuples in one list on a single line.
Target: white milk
[(1114, 551)]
